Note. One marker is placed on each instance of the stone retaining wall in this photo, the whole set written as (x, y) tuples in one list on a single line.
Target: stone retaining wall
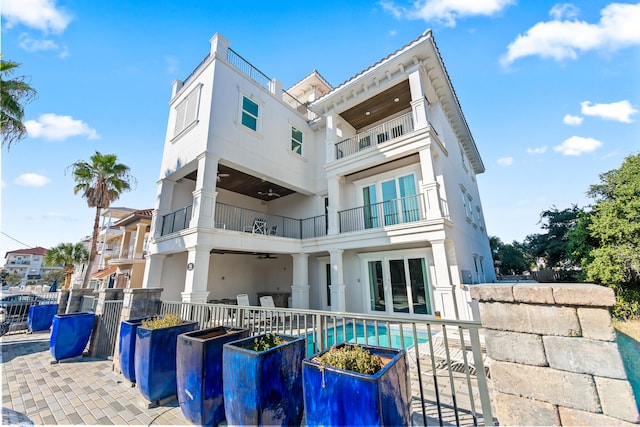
[(553, 355)]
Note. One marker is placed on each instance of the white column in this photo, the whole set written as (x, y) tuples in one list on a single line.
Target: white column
[(334, 204), (138, 246), (338, 302), (419, 104), (444, 290), (300, 288), (430, 187), (331, 136), (197, 275), (164, 198), (219, 45), (153, 272), (204, 196)]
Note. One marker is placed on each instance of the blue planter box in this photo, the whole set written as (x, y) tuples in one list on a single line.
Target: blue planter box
[(155, 360), (70, 334), (263, 388), (339, 397), (199, 373), (127, 347), (41, 317)]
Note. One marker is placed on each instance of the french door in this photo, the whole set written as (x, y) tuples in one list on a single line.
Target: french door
[(399, 285)]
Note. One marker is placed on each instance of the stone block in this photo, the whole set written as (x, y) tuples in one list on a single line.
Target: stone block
[(585, 294), (546, 385), (616, 399), (574, 417), (515, 347), (519, 411), (596, 323), (492, 292), (584, 356), (529, 318), (533, 293)]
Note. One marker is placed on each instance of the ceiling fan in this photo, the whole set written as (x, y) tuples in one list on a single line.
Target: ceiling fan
[(220, 176), (266, 256), (269, 193)]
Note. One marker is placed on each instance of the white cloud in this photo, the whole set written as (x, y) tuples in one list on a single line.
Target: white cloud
[(34, 45), (564, 10), (505, 161), (57, 128), (32, 180), (446, 11), (572, 120), (618, 111), (561, 39), (537, 150), (577, 145), (37, 14), (393, 32)]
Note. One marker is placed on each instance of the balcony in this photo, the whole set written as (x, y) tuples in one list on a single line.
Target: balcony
[(371, 138), (176, 220)]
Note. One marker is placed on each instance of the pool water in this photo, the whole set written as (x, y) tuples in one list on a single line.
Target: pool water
[(630, 352), (358, 336)]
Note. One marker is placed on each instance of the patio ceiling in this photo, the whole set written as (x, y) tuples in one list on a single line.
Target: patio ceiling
[(379, 107)]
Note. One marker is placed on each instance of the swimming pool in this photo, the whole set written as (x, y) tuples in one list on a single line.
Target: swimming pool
[(630, 352), (357, 335)]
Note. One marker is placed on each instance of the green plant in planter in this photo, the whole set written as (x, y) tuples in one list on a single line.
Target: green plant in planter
[(162, 321), (266, 342), (352, 358)]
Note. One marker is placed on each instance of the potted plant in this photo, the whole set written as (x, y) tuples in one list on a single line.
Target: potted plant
[(40, 317), (262, 379), (199, 372), (356, 385), (127, 347), (155, 355), (70, 334)]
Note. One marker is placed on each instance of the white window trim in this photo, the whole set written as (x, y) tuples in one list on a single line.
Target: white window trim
[(195, 120), (301, 156), (260, 104), (377, 180)]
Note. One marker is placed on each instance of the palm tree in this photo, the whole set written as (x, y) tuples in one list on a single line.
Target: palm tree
[(101, 182), (68, 255), (15, 93)]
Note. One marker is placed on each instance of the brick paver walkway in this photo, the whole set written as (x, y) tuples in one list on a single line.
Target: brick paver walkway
[(85, 391)]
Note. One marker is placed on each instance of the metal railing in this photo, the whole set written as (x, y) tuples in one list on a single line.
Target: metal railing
[(370, 138), (390, 212), (245, 67), (176, 220), (17, 310), (445, 359), (107, 328)]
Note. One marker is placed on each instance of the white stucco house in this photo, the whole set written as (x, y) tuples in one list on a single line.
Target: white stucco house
[(360, 197)]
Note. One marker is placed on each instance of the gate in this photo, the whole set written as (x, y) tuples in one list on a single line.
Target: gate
[(108, 328)]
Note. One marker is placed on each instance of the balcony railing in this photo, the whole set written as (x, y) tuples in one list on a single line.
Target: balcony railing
[(378, 135), (176, 220), (390, 212)]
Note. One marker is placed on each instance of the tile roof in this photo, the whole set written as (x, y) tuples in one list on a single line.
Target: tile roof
[(38, 250)]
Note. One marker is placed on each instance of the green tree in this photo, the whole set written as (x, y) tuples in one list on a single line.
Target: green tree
[(12, 279), (67, 255), (15, 93), (580, 242), (615, 225), (50, 276), (101, 180), (552, 246), (514, 258)]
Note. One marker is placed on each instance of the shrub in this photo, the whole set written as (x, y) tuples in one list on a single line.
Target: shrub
[(162, 321), (265, 342), (352, 358), (627, 303)]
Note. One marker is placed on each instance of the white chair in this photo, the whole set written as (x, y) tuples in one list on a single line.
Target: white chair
[(243, 300), (259, 226), (267, 301)]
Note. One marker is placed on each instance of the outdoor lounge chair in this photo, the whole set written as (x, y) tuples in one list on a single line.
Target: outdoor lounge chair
[(267, 301)]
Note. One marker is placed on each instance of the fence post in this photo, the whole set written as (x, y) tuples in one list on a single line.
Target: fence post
[(553, 355)]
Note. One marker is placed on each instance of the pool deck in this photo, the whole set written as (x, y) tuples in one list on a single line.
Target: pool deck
[(86, 391)]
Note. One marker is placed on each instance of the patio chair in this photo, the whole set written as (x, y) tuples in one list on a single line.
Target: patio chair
[(259, 226), (273, 231), (267, 301)]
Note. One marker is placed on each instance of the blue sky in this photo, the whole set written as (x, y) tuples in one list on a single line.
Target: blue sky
[(551, 91)]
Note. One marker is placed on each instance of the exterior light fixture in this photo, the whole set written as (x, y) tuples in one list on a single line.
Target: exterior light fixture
[(367, 113), (396, 100)]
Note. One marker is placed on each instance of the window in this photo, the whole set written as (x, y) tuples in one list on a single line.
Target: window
[(399, 202), (187, 111), (249, 113), (466, 204), (296, 141)]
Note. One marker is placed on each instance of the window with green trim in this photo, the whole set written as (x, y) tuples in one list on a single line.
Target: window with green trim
[(249, 113), (296, 141)]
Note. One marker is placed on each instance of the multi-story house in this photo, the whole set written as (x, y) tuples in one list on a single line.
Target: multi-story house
[(121, 248), (360, 197), (28, 263)]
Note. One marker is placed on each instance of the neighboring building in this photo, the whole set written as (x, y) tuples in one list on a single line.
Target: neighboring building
[(121, 248), (28, 263), (359, 198)]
